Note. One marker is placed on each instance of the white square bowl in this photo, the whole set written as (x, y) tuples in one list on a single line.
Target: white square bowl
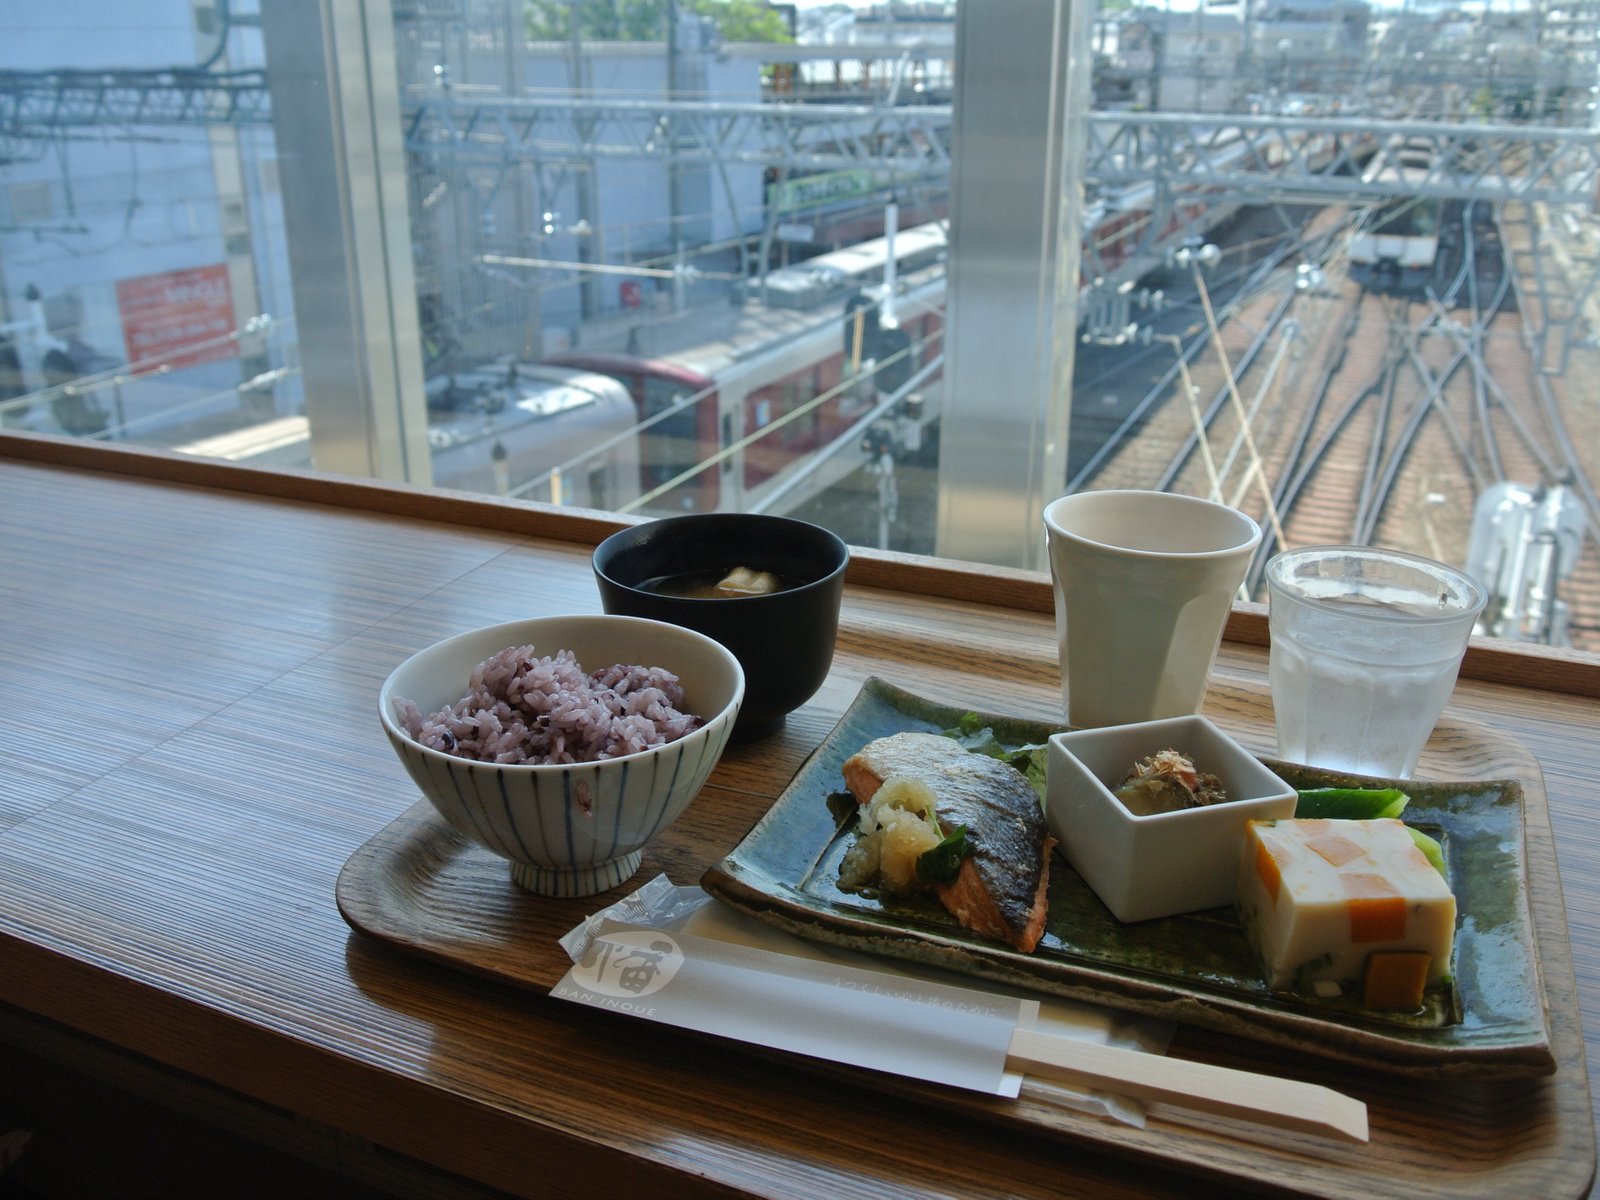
[(1165, 863)]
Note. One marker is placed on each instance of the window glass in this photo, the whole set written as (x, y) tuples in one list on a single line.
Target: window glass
[(144, 294), (1332, 262)]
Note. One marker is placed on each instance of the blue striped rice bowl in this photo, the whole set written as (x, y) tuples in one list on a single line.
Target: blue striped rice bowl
[(568, 829)]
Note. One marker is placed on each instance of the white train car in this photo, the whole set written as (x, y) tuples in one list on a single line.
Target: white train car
[(832, 276), (1395, 246), (504, 428)]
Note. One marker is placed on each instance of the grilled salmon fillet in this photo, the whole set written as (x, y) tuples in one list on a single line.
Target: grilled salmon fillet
[(901, 754), (1000, 888)]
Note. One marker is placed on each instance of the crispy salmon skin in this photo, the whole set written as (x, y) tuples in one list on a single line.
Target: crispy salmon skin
[(898, 754), (1000, 888)]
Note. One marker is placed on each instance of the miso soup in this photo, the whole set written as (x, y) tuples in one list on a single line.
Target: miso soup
[(720, 584)]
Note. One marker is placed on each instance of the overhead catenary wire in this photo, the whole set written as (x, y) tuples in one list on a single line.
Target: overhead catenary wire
[(1238, 405)]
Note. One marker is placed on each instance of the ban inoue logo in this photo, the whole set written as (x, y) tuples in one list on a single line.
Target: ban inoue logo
[(629, 964)]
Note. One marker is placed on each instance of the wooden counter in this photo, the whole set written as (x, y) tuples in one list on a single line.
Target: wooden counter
[(189, 657)]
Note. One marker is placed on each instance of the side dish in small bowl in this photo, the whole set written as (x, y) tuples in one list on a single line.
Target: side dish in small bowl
[(564, 744), (1153, 815)]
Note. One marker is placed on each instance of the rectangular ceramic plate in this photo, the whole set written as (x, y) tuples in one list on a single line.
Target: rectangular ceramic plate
[(1195, 969)]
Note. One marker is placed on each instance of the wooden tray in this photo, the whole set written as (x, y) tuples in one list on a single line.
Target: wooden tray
[(420, 887)]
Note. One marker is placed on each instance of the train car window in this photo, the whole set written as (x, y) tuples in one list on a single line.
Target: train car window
[(1412, 216), (802, 433)]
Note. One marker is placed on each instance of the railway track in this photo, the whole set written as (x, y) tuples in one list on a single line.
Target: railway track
[(1335, 414)]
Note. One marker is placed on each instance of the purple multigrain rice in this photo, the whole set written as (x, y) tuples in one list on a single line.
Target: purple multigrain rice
[(520, 708)]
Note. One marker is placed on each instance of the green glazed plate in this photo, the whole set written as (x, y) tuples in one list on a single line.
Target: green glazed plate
[(1195, 969)]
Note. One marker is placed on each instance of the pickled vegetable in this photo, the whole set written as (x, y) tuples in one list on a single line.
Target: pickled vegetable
[(1351, 804)]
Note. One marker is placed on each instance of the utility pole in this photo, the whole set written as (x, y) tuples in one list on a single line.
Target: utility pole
[(532, 341), (583, 177), (674, 171)]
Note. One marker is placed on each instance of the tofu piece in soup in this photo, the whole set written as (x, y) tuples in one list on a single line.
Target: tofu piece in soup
[(1327, 900)]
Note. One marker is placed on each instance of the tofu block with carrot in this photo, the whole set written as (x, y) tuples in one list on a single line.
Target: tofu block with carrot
[(1352, 903)]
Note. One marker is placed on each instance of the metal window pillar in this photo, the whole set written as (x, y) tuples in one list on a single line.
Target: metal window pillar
[(1021, 103), (336, 117)]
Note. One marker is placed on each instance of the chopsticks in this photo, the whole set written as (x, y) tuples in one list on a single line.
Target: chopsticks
[(1264, 1099)]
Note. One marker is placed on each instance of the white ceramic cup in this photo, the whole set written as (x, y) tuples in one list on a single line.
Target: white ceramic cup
[(1144, 582)]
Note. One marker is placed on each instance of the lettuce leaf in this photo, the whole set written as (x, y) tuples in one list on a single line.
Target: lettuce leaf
[(973, 735)]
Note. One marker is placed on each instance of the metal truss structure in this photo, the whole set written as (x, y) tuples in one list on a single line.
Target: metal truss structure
[(38, 107), (1284, 158), (1304, 159), (1323, 159), (898, 139)]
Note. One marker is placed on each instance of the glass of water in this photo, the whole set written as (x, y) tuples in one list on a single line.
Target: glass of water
[(1366, 644)]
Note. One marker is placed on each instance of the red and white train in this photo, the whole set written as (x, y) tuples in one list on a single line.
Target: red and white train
[(741, 425), (722, 426), (725, 428)]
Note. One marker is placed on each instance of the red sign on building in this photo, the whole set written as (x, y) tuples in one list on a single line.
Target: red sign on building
[(179, 318)]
